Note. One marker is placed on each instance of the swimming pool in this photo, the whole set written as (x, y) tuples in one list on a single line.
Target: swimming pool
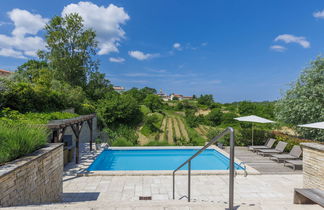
[(158, 159)]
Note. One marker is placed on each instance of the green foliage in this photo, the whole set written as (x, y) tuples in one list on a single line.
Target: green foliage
[(191, 119), (19, 139), (145, 110), (289, 139), (98, 86), (150, 123), (153, 102), (206, 100), (228, 119), (31, 71), (11, 116), (304, 101), (117, 109), (122, 142), (214, 117), (70, 49), (39, 97), (157, 143), (122, 134)]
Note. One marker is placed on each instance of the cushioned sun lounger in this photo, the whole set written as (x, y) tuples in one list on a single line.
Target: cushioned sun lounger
[(278, 149), (294, 153), (267, 145), (294, 163)]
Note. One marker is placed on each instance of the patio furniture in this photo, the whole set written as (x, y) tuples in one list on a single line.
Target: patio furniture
[(267, 145), (309, 196), (294, 153), (278, 149), (294, 163)]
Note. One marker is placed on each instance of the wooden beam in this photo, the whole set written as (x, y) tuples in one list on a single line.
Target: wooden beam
[(61, 134), (76, 128), (91, 132)]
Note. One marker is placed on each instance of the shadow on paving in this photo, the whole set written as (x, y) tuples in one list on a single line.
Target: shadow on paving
[(80, 196)]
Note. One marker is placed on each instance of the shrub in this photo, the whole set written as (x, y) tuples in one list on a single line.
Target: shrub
[(12, 116), (122, 142), (122, 132), (214, 118), (157, 143), (19, 139)]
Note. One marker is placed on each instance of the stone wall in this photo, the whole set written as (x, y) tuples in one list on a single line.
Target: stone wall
[(33, 179), (313, 165)]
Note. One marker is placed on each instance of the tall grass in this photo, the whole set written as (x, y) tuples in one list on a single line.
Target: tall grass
[(17, 139)]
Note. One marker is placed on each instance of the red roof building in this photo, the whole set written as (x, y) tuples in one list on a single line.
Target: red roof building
[(4, 73)]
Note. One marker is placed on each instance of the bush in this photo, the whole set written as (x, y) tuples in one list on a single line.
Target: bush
[(214, 118), (290, 140), (122, 142), (157, 143), (12, 116), (116, 110), (19, 139), (121, 133)]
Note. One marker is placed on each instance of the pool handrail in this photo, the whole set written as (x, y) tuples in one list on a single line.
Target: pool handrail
[(228, 130)]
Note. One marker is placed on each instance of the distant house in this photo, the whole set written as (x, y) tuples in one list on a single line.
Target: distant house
[(163, 96), (4, 73), (119, 89), (187, 98), (180, 97)]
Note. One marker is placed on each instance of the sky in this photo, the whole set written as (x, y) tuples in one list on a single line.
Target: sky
[(234, 49)]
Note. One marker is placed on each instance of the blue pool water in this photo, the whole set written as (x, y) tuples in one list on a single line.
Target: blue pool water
[(158, 159)]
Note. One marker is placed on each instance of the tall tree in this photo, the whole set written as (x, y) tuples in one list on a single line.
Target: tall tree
[(304, 101), (70, 49), (97, 86)]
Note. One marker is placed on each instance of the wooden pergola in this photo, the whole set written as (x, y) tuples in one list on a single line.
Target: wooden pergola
[(58, 128)]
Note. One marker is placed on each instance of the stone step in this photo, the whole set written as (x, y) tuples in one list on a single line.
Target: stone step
[(166, 205)]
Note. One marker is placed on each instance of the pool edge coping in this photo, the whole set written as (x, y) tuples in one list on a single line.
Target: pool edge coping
[(250, 170)]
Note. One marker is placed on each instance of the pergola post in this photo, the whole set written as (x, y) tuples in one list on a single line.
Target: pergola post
[(91, 132), (76, 128)]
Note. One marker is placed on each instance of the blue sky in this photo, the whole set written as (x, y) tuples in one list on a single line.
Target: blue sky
[(235, 50)]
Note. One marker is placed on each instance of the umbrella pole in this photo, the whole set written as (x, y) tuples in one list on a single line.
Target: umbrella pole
[(252, 134)]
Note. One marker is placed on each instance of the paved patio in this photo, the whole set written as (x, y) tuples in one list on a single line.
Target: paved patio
[(259, 192)]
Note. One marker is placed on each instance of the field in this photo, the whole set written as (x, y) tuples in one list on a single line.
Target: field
[(172, 130)]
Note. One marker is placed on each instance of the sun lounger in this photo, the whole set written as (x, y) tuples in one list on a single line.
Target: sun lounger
[(294, 153), (294, 163), (267, 145), (278, 149)]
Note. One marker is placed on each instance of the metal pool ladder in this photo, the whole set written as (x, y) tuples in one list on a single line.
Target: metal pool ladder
[(230, 131)]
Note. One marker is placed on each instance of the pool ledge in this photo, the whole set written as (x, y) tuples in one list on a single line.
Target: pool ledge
[(249, 169)]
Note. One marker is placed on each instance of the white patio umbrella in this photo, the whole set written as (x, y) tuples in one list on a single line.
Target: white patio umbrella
[(252, 119), (319, 125)]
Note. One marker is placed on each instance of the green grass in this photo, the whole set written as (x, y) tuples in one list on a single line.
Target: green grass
[(20, 139)]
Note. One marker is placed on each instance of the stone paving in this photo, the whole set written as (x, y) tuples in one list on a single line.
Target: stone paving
[(255, 192)]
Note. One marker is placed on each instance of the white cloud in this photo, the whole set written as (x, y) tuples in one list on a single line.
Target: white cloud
[(23, 41), (8, 52), (177, 46), (288, 38), (319, 14), (106, 21), (141, 56), (116, 60), (26, 22), (277, 48)]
